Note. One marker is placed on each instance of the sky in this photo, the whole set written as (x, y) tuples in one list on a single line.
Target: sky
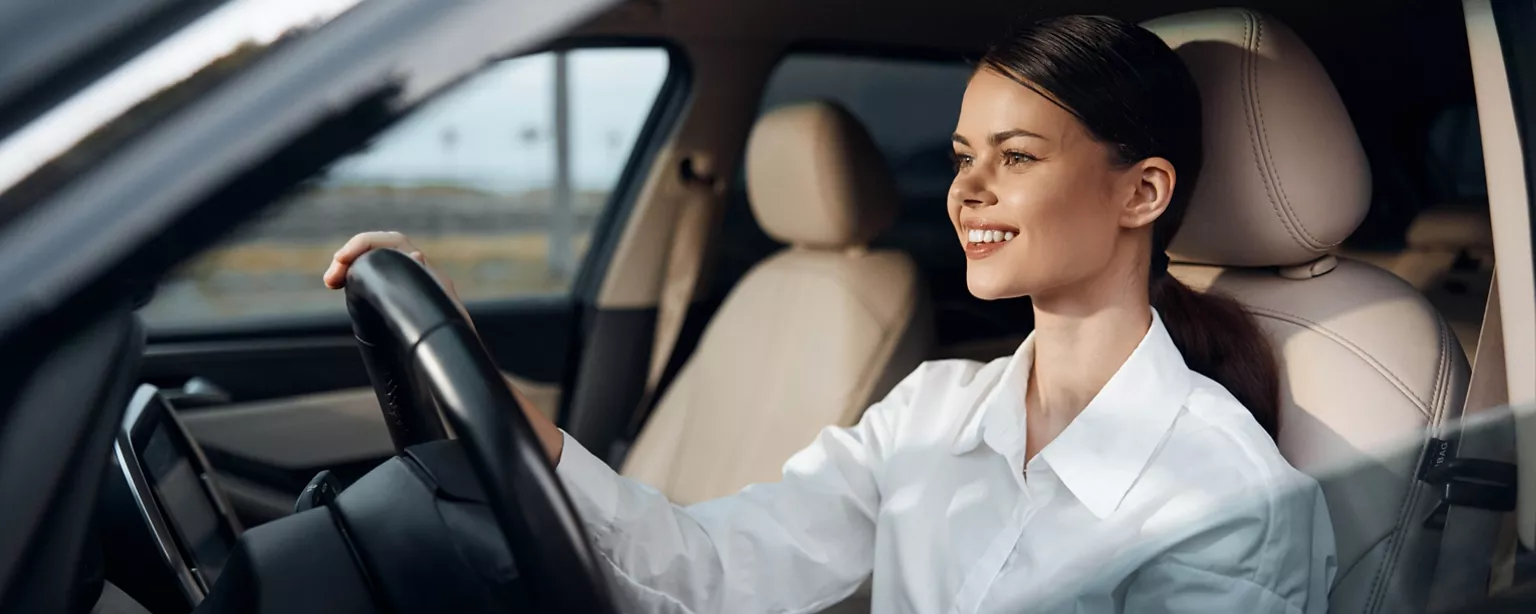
[(495, 131)]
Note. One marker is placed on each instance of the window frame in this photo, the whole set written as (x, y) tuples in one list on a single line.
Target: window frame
[(1504, 69), (1516, 24), (665, 112)]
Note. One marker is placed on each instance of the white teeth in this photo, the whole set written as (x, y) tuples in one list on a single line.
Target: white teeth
[(975, 235)]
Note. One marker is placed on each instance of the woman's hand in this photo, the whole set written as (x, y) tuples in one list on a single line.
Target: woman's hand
[(336, 278)]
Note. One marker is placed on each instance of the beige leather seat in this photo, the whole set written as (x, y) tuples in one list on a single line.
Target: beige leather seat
[(810, 336), (1447, 255), (1367, 363)]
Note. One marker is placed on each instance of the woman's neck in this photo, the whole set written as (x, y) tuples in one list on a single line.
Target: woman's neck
[(1081, 339)]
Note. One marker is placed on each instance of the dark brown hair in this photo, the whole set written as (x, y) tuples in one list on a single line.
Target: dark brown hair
[(1134, 94)]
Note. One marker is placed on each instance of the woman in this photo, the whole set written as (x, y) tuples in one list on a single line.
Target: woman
[(1121, 460)]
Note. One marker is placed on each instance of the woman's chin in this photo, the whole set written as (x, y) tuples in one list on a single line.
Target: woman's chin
[(993, 289)]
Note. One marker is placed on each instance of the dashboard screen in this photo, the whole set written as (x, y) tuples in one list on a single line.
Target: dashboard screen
[(186, 502)]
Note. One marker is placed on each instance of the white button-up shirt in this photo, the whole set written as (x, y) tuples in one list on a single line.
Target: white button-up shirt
[(1163, 495)]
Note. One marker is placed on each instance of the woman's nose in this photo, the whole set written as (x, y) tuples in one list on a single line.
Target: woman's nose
[(971, 193)]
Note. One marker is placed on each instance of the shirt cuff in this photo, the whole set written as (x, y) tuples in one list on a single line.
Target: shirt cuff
[(592, 485)]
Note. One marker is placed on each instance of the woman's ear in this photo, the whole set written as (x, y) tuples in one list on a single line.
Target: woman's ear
[(1152, 183)]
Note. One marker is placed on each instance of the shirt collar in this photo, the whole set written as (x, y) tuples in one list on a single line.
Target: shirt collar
[(1104, 449)]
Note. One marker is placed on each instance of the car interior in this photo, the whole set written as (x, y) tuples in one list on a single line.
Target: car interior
[(772, 255)]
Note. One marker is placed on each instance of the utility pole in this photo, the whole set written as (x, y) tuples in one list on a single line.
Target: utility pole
[(562, 261)]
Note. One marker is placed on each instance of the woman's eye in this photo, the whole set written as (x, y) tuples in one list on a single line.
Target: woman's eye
[(962, 161), (1011, 158)]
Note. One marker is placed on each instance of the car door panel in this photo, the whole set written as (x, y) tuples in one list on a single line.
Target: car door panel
[(530, 338)]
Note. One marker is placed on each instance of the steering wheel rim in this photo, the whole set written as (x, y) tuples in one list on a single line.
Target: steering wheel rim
[(418, 347)]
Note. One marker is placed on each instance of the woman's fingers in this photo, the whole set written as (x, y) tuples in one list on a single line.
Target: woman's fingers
[(336, 275)]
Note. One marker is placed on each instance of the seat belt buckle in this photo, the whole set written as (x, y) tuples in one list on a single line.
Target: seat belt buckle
[(1466, 482)]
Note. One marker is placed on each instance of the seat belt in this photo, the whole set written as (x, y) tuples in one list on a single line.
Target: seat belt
[(1478, 479), (698, 197)]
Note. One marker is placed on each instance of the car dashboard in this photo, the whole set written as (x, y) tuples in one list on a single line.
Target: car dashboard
[(166, 527)]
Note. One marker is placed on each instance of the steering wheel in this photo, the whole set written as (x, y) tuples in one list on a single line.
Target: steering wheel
[(418, 347)]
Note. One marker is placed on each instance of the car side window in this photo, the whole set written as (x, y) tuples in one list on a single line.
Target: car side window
[(500, 181)]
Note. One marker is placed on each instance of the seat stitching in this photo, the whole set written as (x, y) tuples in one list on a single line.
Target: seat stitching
[(1412, 492), (1378, 582), (1248, 83), (1359, 352), (1346, 571), (1411, 497), (1272, 172), (1442, 390)]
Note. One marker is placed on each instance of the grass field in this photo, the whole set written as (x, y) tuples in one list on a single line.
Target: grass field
[(270, 278)]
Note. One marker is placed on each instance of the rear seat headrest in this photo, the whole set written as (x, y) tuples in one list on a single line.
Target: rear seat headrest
[(816, 179), (1285, 177)]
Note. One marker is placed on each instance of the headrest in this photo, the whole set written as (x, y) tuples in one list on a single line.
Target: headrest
[(815, 178), (1285, 177)]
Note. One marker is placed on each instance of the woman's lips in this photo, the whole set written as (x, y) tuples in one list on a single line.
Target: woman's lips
[(977, 251), (982, 238)]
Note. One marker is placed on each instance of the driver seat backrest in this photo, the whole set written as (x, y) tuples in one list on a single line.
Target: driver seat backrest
[(811, 335), (1367, 364)]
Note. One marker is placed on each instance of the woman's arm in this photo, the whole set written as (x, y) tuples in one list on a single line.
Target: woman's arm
[(797, 545), (1271, 556)]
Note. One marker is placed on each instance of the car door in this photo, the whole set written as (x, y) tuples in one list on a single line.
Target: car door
[(515, 183)]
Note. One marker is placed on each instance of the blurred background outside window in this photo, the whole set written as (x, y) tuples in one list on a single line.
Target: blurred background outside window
[(499, 181)]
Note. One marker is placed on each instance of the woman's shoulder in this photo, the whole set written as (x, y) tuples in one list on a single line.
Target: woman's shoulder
[(1233, 480), (1219, 464), (1218, 426)]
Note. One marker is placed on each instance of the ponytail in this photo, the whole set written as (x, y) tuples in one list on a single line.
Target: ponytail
[(1220, 340)]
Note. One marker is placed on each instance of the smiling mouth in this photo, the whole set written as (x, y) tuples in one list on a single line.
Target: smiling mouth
[(983, 241)]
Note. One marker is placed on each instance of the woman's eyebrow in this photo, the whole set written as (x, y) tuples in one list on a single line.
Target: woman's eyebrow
[(999, 137)]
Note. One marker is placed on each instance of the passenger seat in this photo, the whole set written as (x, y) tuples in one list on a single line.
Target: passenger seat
[(1369, 376), (811, 335)]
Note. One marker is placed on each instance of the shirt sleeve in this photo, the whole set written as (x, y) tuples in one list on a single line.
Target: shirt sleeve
[(1278, 557), (796, 545), (1174, 587)]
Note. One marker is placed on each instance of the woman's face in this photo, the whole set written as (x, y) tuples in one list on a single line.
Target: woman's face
[(1037, 203)]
